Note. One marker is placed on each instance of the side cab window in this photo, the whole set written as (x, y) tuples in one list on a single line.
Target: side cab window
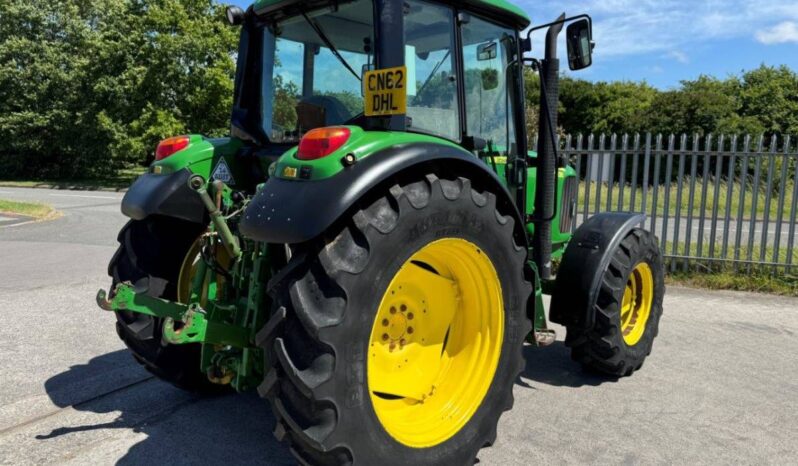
[(488, 49)]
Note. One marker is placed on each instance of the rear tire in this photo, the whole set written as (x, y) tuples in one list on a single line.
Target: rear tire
[(150, 255), (627, 312), (318, 340)]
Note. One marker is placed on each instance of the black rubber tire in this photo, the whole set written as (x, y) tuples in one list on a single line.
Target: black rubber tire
[(602, 348), (316, 341), (150, 255)]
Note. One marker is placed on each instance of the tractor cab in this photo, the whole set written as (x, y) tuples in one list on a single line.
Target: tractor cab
[(434, 68)]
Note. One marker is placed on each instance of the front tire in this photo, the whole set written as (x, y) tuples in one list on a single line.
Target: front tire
[(334, 397), (627, 313)]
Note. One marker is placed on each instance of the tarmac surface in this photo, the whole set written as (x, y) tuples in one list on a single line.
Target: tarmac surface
[(720, 387)]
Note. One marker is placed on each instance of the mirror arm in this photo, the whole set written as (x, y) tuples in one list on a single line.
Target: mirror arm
[(560, 20)]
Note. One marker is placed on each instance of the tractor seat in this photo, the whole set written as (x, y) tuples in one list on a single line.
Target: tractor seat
[(320, 110)]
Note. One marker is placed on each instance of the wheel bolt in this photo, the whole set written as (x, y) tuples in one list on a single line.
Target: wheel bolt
[(410, 330), (385, 322), (402, 342), (410, 316), (404, 308), (393, 310), (385, 337)]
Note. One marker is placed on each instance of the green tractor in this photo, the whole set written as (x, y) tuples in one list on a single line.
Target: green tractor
[(370, 248)]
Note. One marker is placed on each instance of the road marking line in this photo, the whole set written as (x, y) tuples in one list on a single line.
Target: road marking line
[(36, 419), (18, 224), (85, 196)]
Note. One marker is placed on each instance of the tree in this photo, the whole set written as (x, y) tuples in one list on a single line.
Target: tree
[(770, 96), (87, 86)]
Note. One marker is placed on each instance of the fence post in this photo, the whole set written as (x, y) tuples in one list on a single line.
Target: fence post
[(622, 175), (768, 197), (691, 201), (588, 175), (668, 180), (729, 196), (657, 165), (679, 188), (755, 201), (741, 207), (785, 168), (703, 206), (600, 166), (793, 215), (713, 231)]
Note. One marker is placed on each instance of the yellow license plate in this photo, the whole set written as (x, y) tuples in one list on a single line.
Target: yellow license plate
[(386, 92)]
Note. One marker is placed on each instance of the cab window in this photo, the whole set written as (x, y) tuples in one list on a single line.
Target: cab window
[(487, 51), (432, 105)]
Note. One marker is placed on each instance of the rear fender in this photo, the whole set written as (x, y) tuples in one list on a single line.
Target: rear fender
[(164, 190), (295, 211), (583, 265), (166, 195)]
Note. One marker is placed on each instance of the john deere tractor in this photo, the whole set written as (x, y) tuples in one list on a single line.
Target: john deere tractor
[(370, 247)]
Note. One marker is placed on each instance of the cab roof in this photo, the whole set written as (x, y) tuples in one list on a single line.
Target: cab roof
[(499, 9)]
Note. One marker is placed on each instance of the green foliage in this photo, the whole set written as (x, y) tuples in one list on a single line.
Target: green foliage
[(88, 86), (764, 100)]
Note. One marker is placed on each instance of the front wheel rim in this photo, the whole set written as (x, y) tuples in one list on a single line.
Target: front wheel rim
[(638, 298), (436, 343)]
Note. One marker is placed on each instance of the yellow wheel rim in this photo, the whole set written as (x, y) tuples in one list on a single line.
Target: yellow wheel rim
[(190, 267), (637, 300), (435, 343)]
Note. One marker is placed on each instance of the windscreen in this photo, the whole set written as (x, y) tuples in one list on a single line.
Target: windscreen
[(313, 65)]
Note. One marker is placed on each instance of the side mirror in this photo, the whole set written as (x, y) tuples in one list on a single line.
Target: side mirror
[(579, 37), (487, 51), (235, 15)]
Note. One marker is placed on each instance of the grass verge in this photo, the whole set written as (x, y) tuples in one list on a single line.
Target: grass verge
[(28, 209), (731, 197), (782, 285), (119, 182)]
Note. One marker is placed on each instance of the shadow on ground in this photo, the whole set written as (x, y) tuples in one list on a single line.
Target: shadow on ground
[(180, 428), (552, 365)]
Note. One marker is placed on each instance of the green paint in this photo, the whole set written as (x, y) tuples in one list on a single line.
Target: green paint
[(201, 156), (515, 15), (126, 299), (361, 144)]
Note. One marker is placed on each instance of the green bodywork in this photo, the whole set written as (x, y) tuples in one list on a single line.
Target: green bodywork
[(514, 14), (201, 156)]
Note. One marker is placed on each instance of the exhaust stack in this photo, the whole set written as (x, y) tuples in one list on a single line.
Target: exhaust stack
[(546, 161)]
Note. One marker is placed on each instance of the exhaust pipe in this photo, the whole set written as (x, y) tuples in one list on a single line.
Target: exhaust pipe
[(546, 162)]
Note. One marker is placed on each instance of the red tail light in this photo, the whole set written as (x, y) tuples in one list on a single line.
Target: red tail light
[(170, 146), (322, 142)]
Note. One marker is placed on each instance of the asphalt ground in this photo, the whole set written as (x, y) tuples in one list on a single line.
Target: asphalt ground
[(721, 386)]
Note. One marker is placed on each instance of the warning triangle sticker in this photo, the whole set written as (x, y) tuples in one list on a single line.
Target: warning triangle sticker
[(222, 173)]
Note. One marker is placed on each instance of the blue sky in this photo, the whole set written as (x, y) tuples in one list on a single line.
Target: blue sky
[(665, 41)]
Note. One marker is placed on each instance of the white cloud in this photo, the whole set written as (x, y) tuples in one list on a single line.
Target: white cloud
[(664, 27), (779, 34), (679, 56)]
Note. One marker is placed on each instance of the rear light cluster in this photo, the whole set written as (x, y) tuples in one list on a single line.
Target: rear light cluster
[(322, 142), (171, 146)]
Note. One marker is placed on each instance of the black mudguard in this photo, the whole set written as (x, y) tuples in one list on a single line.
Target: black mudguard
[(167, 195), (292, 212), (585, 260)]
